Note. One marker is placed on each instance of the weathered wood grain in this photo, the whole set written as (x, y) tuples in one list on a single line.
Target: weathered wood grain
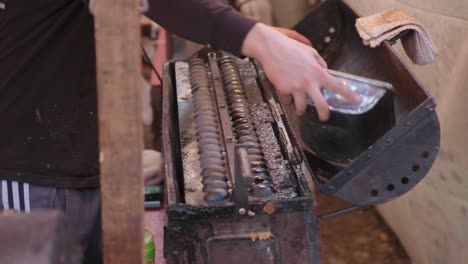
[(117, 34)]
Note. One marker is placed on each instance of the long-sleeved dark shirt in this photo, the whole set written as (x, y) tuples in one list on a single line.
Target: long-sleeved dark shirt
[(48, 105), (203, 21)]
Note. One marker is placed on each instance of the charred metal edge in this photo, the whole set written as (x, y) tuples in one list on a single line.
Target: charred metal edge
[(381, 145), (185, 212), (172, 192), (409, 171)]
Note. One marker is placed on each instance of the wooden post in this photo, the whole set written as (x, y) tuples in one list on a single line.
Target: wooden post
[(118, 55)]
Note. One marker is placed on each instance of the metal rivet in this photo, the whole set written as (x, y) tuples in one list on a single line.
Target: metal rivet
[(242, 211), (425, 154), (331, 30), (327, 39)]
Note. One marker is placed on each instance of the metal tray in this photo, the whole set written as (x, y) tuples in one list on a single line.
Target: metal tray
[(352, 128), (398, 159)]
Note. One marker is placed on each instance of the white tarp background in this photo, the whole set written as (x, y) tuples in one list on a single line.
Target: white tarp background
[(432, 220)]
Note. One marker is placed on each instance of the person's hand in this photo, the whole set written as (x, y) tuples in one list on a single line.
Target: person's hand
[(152, 165), (294, 68), (293, 34)]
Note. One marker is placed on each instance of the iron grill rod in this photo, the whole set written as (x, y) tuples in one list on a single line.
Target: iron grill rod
[(340, 212)]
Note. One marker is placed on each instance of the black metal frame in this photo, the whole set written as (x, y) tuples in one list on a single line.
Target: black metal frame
[(397, 161), (205, 233)]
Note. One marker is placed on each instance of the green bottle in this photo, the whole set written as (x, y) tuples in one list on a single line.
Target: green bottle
[(150, 248)]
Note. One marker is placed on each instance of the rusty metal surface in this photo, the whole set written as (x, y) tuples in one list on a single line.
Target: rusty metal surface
[(201, 232)]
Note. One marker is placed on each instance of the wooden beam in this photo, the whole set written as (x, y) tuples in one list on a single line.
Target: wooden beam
[(118, 59)]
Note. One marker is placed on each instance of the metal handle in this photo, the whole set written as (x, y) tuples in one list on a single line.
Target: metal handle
[(243, 178)]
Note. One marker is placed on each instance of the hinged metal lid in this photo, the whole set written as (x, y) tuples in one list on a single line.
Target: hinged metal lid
[(402, 154)]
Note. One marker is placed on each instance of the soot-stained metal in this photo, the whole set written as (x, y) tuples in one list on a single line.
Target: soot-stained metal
[(220, 104)]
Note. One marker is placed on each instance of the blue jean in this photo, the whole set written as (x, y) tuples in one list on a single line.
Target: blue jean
[(80, 206)]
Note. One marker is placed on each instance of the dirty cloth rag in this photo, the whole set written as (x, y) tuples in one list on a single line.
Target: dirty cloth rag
[(387, 24)]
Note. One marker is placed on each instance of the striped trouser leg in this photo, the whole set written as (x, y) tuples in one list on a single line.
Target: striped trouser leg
[(15, 196)]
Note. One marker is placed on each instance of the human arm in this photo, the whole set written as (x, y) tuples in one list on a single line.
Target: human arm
[(203, 21), (293, 67)]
